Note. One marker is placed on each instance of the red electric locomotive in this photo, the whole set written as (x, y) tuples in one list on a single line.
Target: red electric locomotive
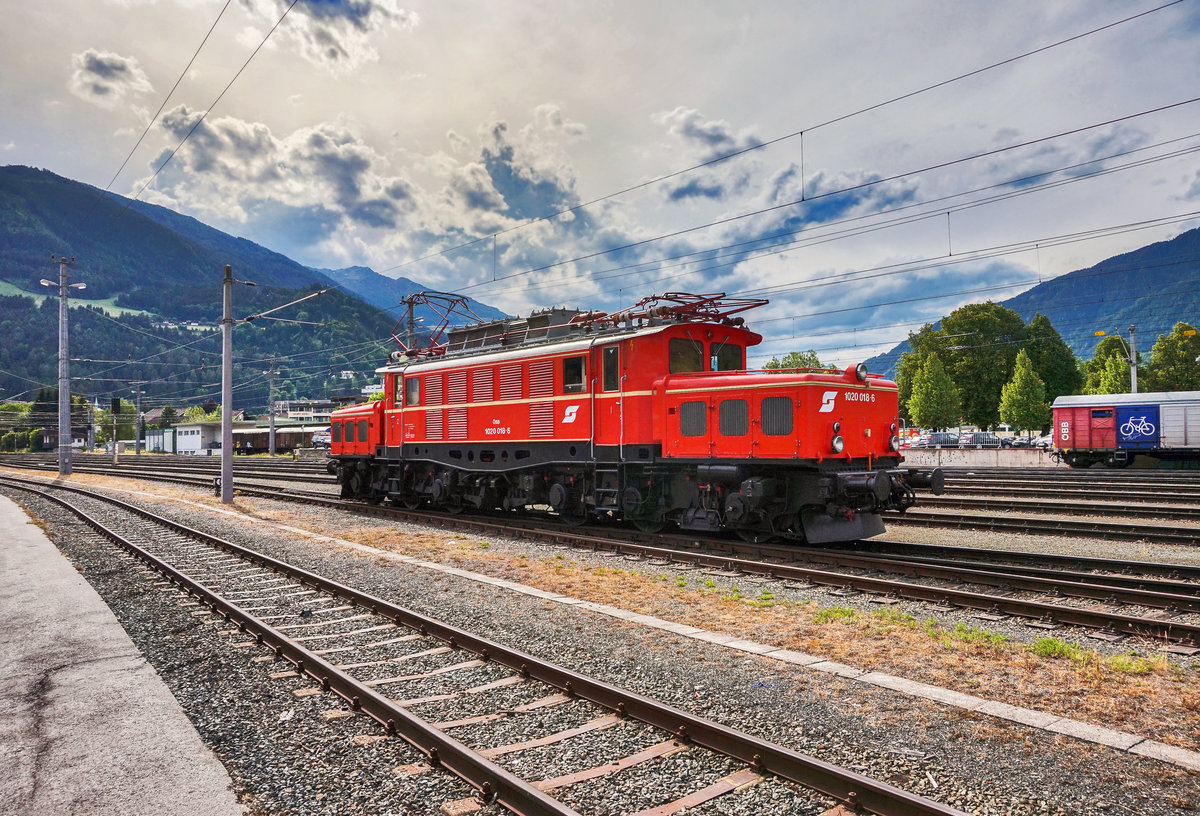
[(647, 415)]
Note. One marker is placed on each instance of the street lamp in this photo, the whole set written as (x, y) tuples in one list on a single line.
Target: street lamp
[(64, 365), (1131, 350)]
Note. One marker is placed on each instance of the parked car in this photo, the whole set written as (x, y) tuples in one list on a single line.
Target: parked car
[(936, 440), (321, 439), (981, 439), (1044, 442), (1022, 442)]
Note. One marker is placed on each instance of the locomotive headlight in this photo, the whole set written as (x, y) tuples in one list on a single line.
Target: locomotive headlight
[(837, 427), (838, 444), (892, 428), (860, 371), (894, 443)]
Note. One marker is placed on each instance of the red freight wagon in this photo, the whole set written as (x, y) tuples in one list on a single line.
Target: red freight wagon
[(647, 415)]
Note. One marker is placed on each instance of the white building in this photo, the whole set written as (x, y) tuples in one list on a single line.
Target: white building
[(201, 438)]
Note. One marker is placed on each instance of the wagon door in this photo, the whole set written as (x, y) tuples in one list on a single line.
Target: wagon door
[(1137, 426), (1101, 430), (1181, 426)]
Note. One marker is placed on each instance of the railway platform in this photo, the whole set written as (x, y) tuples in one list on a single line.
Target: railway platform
[(88, 726)]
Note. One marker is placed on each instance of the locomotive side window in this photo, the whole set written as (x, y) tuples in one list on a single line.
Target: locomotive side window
[(611, 373), (685, 355), (335, 434), (734, 417), (412, 391), (693, 418), (349, 431), (1105, 413), (574, 375), (362, 430), (726, 357), (777, 416)]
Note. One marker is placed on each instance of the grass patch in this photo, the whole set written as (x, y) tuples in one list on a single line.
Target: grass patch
[(834, 613), (1057, 649)]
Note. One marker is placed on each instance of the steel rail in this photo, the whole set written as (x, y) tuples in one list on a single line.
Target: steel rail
[(1041, 504), (1049, 526), (1189, 590), (855, 790), (1173, 572), (1017, 579)]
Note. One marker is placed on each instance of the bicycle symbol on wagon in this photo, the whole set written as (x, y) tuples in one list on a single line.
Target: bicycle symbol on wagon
[(1137, 426)]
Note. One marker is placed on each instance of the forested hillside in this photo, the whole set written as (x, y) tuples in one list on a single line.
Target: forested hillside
[(169, 267), (1153, 288)]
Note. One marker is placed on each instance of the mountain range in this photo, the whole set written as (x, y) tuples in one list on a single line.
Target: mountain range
[(1151, 288), (153, 279)]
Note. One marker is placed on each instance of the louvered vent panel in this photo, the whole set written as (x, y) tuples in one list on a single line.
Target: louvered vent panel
[(482, 385), (541, 378), (541, 419), (457, 423), (457, 390), (434, 423), (510, 382), (433, 389)]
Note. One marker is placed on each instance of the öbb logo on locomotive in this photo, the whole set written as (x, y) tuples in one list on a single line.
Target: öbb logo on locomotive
[(661, 425)]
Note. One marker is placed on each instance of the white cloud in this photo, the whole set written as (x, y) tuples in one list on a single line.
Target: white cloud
[(105, 79), (334, 36)]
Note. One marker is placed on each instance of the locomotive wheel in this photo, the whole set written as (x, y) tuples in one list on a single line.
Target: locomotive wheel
[(410, 501), (754, 536), (650, 525), (455, 504)]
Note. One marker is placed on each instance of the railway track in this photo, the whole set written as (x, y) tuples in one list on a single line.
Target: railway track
[(1111, 599), (391, 664)]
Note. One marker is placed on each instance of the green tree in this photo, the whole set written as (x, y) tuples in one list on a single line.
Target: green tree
[(1052, 359), (1114, 379), (795, 359), (14, 415), (1174, 364), (921, 344), (985, 338), (1093, 370), (935, 401), (194, 413), (168, 417), (1023, 399)]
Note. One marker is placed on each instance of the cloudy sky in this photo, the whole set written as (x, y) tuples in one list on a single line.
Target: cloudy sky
[(867, 165)]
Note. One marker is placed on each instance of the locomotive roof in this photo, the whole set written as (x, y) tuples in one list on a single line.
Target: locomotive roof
[(576, 341), (1146, 398)]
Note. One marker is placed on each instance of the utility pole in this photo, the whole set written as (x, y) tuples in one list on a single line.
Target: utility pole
[(227, 322), (1133, 359), (137, 445), (271, 372), (227, 387), (64, 365), (116, 443)]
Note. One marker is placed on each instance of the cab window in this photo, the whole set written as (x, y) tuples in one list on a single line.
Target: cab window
[(574, 375), (412, 391), (336, 434), (685, 355), (611, 368), (726, 357)]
